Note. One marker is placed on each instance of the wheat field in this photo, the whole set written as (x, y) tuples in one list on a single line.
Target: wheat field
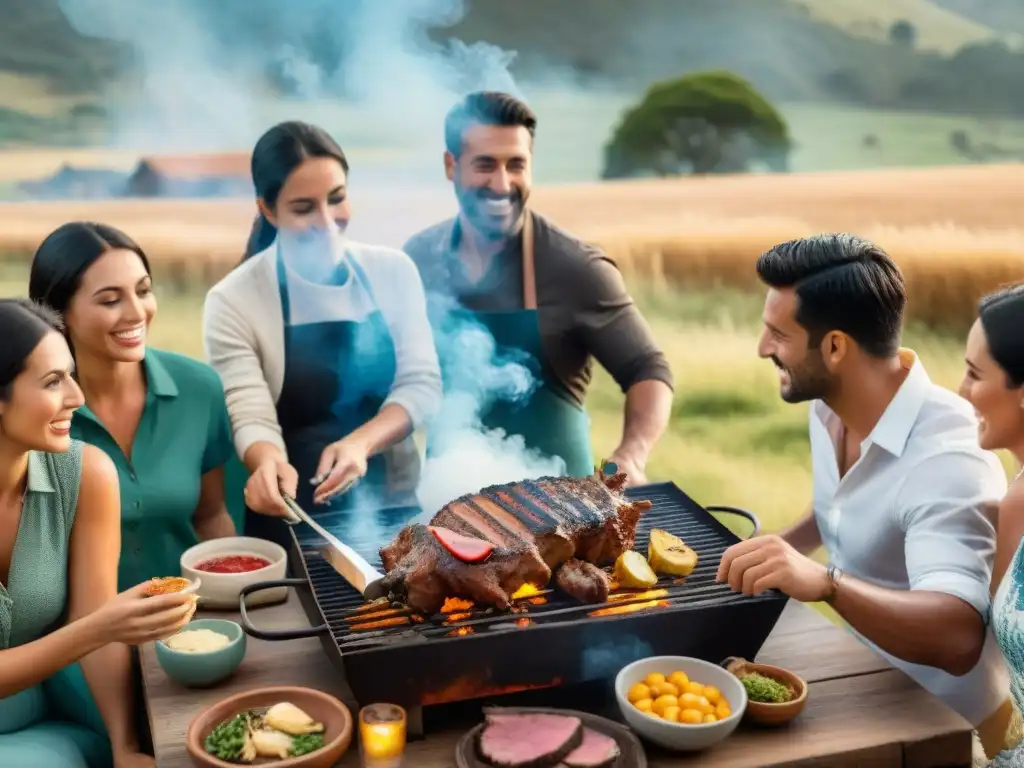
[(956, 232), (687, 248)]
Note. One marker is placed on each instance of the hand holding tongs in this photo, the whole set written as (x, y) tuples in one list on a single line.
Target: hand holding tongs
[(345, 560)]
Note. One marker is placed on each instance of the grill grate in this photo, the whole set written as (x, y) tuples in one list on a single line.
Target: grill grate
[(355, 626)]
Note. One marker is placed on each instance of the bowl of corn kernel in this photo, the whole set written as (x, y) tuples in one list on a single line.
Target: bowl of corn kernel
[(679, 702)]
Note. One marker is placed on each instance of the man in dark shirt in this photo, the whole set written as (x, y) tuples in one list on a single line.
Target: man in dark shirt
[(540, 291)]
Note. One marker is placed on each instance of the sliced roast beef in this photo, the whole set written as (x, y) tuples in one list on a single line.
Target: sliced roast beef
[(528, 739), (596, 751)]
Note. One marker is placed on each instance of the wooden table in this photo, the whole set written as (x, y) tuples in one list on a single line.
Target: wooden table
[(860, 710)]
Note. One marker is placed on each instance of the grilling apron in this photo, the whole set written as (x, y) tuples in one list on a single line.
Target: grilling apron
[(337, 375), (550, 420)]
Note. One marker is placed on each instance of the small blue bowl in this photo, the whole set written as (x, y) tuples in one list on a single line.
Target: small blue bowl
[(201, 670)]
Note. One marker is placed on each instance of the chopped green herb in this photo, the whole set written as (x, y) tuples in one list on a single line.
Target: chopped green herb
[(765, 690), (227, 739), (306, 743)]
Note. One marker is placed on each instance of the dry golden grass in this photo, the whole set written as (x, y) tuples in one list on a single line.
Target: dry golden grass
[(956, 232)]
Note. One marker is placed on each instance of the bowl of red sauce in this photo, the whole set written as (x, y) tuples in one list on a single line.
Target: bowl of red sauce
[(225, 566)]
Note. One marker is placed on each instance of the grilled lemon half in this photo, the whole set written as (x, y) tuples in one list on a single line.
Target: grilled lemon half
[(668, 554), (632, 571)]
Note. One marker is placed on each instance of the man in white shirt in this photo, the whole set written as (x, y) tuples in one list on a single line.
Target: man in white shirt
[(904, 498)]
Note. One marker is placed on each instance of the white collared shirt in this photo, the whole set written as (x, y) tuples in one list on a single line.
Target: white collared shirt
[(918, 511)]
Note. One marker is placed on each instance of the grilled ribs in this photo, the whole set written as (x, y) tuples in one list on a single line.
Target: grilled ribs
[(535, 527)]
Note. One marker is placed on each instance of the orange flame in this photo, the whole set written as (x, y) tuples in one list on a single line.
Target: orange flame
[(634, 607), (455, 618), (523, 622), (398, 621), (651, 594), (453, 604), (527, 590), (460, 632), (376, 615)]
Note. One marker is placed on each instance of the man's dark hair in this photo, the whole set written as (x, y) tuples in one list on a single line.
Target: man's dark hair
[(842, 283), (485, 108)]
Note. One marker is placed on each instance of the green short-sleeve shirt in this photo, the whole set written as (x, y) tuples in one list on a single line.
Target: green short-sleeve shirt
[(184, 433)]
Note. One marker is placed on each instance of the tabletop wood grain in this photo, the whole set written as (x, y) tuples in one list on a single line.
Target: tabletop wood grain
[(860, 711)]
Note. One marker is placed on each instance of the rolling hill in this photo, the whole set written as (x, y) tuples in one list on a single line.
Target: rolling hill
[(57, 82), (938, 28)]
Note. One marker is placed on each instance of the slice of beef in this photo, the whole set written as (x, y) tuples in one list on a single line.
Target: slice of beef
[(552, 520), (596, 751), (583, 581), (528, 739)]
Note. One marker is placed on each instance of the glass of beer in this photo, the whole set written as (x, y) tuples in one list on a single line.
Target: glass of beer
[(381, 735)]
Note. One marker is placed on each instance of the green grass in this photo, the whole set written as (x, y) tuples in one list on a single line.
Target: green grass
[(731, 439)]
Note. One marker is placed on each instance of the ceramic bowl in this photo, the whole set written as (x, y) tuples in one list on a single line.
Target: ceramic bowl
[(681, 736), (200, 670), (220, 590), (320, 706), (761, 712)]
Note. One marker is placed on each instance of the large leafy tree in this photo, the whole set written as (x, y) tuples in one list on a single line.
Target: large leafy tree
[(707, 122)]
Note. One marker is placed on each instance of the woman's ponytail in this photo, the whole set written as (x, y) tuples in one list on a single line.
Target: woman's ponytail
[(260, 238)]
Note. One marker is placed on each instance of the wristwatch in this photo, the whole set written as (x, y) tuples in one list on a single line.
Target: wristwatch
[(835, 575)]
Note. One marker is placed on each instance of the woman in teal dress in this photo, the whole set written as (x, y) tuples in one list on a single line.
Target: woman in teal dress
[(59, 538), (994, 385), (161, 417)]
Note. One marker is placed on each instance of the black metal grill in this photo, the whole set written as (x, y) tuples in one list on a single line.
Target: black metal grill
[(548, 639)]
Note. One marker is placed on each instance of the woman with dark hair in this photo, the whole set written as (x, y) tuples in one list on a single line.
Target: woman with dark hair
[(325, 352), (994, 385), (160, 416), (59, 538)]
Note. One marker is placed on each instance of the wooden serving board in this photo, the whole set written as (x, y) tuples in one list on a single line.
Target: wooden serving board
[(631, 753)]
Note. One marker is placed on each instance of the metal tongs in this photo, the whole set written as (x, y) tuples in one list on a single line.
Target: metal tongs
[(345, 560)]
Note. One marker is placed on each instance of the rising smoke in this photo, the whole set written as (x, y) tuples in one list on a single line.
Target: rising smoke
[(465, 456), (201, 68)]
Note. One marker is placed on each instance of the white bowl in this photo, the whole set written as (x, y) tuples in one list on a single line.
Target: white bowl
[(220, 590), (681, 736)]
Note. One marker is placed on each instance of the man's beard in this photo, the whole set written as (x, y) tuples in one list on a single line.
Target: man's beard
[(811, 381), (492, 216)]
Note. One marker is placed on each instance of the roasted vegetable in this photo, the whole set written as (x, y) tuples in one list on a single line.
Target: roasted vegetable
[(290, 719), (633, 572), (668, 554), (306, 743), (764, 689), (272, 743), (229, 739)]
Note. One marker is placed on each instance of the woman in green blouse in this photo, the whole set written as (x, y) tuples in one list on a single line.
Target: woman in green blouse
[(161, 417), (59, 520)]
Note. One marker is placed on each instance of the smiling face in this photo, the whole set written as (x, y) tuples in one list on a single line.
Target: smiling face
[(311, 214), (998, 405), (109, 316), (36, 414), (492, 177), (802, 372)]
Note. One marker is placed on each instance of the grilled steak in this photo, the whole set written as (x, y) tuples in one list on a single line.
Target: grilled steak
[(535, 527), (596, 751), (528, 740), (582, 580)]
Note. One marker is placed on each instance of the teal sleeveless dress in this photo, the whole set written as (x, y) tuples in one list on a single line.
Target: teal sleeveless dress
[(1008, 625), (57, 722)]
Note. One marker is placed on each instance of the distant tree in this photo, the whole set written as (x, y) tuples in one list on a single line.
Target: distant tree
[(902, 32), (708, 122)]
